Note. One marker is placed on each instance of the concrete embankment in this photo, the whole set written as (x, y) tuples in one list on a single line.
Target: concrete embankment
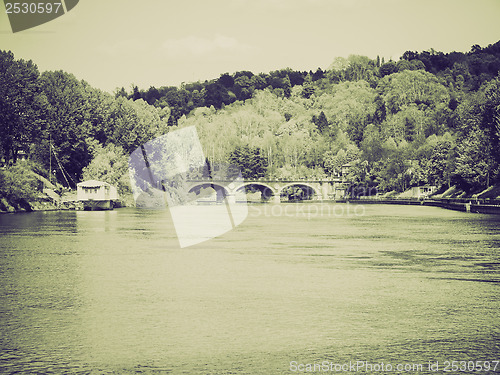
[(463, 205)]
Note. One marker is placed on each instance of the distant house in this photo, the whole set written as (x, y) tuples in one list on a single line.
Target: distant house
[(96, 195), (422, 191), (21, 155), (344, 170)]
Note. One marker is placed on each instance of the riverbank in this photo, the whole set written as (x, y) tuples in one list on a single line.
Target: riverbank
[(469, 206), (40, 204), (462, 204), (49, 201)]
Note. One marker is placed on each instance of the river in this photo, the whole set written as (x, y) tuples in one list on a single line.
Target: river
[(292, 286)]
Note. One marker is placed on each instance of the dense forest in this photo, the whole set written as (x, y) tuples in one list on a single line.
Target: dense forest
[(429, 118)]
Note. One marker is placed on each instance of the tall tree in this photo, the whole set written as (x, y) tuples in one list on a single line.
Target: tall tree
[(491, 116), (287, 87), (308, 87), (250, 161), (20, 105), (474, 162), (321, 122)]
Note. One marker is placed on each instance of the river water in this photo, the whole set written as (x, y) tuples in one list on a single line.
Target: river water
[(293, 285)]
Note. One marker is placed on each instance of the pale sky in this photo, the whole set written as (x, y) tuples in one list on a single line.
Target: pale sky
[(114, 43)]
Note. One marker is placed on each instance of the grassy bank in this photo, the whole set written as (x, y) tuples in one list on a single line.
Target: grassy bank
[(24, 188)]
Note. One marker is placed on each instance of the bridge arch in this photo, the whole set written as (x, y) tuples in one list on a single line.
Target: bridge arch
[(266, 188), (204, 185), (316, 191)]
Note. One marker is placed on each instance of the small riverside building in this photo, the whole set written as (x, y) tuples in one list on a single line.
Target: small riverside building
[(422, 191), (96, 195), (344, 170)]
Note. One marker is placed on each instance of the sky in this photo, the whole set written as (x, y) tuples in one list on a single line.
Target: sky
[(120, 43)]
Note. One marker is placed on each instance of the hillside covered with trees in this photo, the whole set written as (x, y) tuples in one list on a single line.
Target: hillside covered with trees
[(429, 118)]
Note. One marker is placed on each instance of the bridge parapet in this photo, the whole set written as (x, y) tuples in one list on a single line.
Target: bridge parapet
[(323, 189), (269, 181)]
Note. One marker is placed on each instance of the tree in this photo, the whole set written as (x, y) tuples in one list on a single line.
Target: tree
[(350, 109), (152, 95), (74, 111), (371, 145), (108, 164), (308, 88), (387, 68), (20, 105), (243, 87), (121, 92), (477, 124), (337, 70), (287, 87), (250, 162), (412, 87), (474, 162), (410, 123), (136, 94), (475, 48), (217, 95), (417, 65), (440, 162), (360, 68), (226, 80), (318, 74), (136, 122), (394, 169), (491, 116), (321, 122), (403, 65), (409, 55)]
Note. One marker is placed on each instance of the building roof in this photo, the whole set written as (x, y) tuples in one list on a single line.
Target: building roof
[(92, 184), (351, 163)]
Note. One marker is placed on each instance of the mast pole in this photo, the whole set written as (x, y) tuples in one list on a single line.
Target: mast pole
[(50, 158)]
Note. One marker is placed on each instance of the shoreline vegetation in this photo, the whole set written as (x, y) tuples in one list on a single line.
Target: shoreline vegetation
[(430, 119), (51, 201)]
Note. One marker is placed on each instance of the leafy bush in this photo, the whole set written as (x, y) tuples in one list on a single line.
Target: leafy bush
[(18, 183)]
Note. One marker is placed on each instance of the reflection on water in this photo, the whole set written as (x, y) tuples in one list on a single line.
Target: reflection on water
[(113, 292)]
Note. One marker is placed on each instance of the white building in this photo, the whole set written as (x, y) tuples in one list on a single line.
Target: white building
[(96, 195), (422, 191)]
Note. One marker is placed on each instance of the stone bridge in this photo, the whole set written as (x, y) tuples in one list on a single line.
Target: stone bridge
[(275, 189)]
